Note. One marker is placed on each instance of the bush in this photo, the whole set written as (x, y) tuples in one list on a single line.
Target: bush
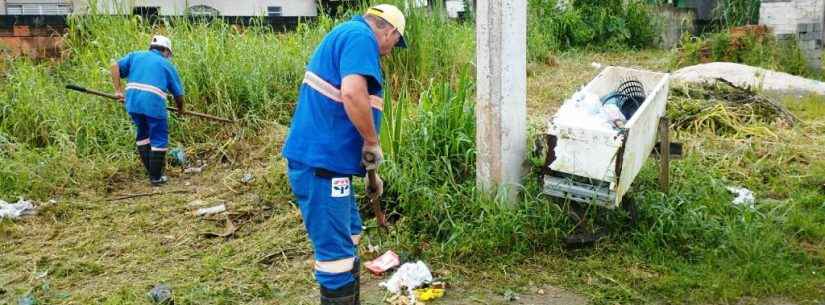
[(752, 45), (603, 25)]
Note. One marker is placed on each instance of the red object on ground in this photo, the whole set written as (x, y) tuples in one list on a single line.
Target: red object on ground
[(383, 263)]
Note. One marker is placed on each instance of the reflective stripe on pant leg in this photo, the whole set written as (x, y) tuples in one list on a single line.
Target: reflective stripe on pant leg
[(301, 182), (336, 266), (158, 133), (326, 215)]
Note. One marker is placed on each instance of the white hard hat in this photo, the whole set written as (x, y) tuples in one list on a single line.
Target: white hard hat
[(161, 41)]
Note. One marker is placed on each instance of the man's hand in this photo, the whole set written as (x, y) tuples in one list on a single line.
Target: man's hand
[(371, 156), (375, 190), (179, 103), (115, 73)]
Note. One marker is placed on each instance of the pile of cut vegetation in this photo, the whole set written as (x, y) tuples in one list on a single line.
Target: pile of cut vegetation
[(726, 109)]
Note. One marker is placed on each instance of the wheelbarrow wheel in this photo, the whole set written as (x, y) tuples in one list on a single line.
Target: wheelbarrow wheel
[(584, 238), (632, 209)]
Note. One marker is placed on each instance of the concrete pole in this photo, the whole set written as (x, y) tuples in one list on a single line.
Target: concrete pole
[(501, 109)]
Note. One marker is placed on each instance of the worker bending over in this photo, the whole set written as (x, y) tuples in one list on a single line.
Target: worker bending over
[(150, 76)]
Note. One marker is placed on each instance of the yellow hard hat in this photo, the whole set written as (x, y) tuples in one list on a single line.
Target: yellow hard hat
[(393, 16)]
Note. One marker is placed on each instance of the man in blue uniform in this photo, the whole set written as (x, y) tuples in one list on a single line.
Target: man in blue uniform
[(150, 76), (335, 125)]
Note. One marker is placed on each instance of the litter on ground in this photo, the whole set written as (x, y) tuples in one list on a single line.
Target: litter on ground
[(27, 300), (383, 263), (409, 277), (197, 203), (429, 293), (211, 210), (193, 170), (15, 210), (229, 229), (178, 156), (247, 178), (161, 294), (744, 196), (399, 299)]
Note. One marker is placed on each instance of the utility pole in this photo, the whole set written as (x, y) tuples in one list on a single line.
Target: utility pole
[(501, 105)]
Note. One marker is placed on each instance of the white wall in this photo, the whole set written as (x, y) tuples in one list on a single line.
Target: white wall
[(784, 17), (45, 7), (226, 8)]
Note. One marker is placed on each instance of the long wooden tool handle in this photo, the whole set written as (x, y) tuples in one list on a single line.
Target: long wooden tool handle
[(204, 115), (114, 97), (90, 91), (375, 199)]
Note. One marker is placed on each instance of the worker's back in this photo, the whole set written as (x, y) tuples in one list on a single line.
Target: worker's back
[(321, 134), (150, 77)]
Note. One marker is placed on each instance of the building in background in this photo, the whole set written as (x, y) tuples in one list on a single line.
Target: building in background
[(800, 19), (36, 27), (236, 8)]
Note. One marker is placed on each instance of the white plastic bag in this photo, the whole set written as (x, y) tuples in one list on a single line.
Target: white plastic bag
[(15, 210), (409, 276), (585, 110), (743, 196)]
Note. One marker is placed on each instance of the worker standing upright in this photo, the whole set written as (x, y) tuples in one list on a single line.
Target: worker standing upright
[(150, 76), (335, 126)]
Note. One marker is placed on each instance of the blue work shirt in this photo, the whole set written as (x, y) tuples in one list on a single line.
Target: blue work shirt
[(150, 76), (321, 135)]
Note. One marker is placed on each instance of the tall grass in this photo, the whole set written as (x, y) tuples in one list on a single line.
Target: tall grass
[(431, 181), (731, 13), (248, 73), (601, 25)]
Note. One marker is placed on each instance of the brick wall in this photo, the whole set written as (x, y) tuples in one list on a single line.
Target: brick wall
[(31, 41)]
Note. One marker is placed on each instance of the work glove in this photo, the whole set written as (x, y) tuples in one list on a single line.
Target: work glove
[(371, 157), (375, 190)]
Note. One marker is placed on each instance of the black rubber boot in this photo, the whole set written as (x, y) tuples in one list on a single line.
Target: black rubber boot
[(157, 163), (143, 152), (341, 296)]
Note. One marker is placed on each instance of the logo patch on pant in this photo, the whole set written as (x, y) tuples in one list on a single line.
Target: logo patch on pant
[(340, 187)]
